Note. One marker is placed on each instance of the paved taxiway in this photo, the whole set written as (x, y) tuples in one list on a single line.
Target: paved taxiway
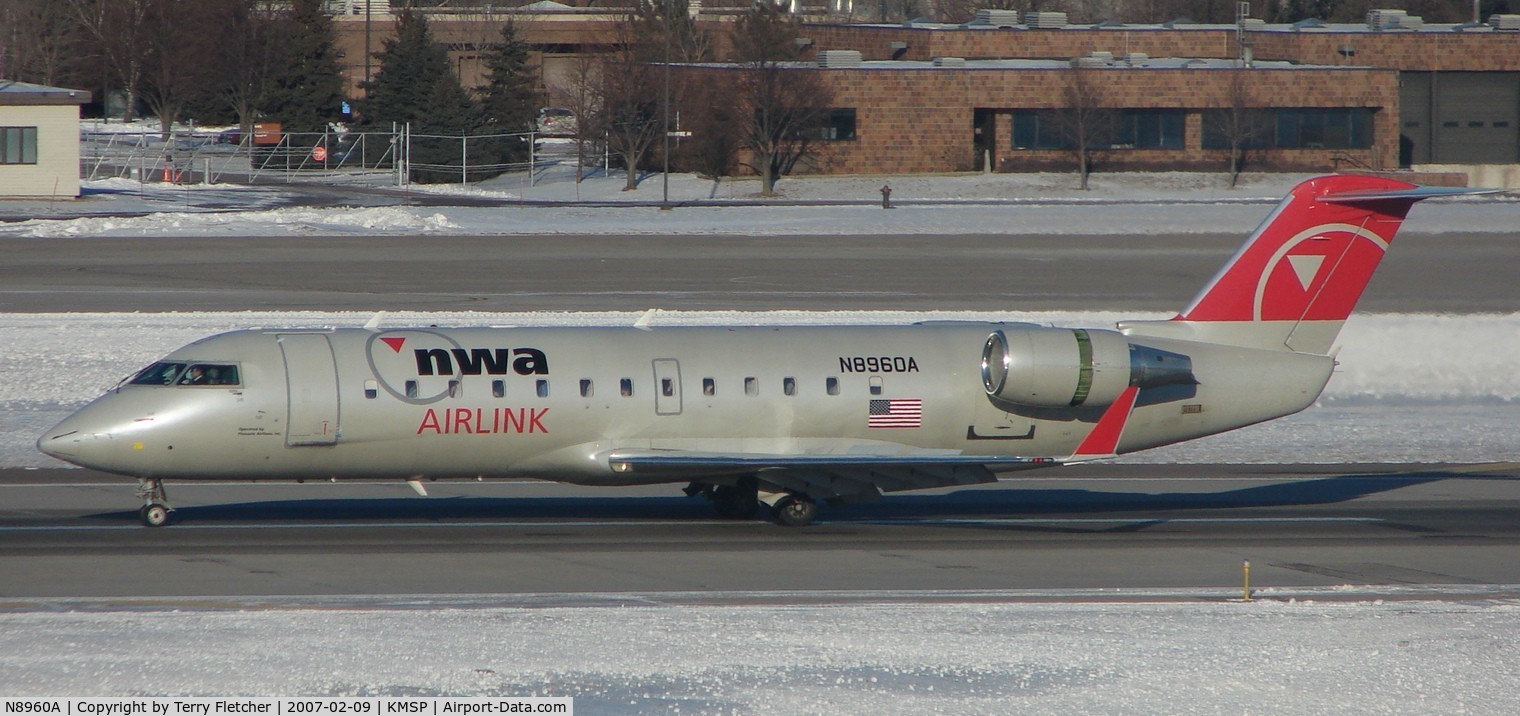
[(1460, 273), (75, 533)]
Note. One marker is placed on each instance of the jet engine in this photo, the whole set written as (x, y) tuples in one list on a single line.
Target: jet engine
[(1061, 368)]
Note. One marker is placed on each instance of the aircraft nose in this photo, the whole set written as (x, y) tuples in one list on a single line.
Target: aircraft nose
[(64, 443), (75, 442)]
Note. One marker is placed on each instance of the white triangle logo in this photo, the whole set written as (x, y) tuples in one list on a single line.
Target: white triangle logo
[(1306, 268)]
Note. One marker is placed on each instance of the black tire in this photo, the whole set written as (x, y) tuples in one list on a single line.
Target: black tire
[(154, 515), (796, 511)]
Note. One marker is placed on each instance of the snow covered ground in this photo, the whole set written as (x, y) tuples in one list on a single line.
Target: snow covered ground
[(1203, 657), (997, 204), (1411, 387)]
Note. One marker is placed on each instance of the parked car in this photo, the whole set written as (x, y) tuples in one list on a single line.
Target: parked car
[(556, 122)]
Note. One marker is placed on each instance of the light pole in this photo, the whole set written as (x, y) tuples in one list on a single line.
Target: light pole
[(665, 111)]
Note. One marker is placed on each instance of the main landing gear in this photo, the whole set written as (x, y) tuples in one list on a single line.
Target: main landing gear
[(795, 510), (155, 510), (741, 500), (738, 501)]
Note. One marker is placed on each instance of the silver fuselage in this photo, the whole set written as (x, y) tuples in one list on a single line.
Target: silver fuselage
[(553, 403)]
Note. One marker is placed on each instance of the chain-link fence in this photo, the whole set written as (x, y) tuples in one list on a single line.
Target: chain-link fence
[(372, 158)]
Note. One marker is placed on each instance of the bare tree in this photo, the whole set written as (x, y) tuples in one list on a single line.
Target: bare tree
[(116, 28), (1086, 122), (38, 41), (1238, 125), (248, 53), (707, 111), (630, 94), (582, 96), (781, 107), (178, 51)]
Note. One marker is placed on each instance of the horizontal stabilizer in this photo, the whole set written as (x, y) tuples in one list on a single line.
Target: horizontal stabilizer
[(1416, 194)]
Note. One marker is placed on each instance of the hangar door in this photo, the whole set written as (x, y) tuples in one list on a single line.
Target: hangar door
[(311, 379), (1460, 117)]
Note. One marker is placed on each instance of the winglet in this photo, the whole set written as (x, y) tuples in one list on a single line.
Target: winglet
[(646, 319), (1103, 441)]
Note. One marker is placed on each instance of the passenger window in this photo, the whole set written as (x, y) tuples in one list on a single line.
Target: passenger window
[(625, 387), (453, 388), (371, 389), (543, 388), (587, 389), (411, 389), (709, 387), (751, 386), (667, 387), (498, 388), (875, 385), (833, 386), (789, 386)]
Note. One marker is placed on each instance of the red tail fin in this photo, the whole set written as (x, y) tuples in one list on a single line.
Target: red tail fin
[(1299, 276), (1311, 259)]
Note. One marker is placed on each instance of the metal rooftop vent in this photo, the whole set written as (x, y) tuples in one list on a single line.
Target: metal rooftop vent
[(995, 18), (1253, 23), (949, 62), (1045, 20), (1094, 60), (839, 58), (1389, 20), (1504, 22), (1137, 59)]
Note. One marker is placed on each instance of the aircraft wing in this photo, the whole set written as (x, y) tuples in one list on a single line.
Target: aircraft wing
[(825, 476), (822, 476)]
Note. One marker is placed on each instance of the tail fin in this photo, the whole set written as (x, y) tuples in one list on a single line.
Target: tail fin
[(1294, 282)]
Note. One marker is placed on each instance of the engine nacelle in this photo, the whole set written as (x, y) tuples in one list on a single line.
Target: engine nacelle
[(1065, 368)]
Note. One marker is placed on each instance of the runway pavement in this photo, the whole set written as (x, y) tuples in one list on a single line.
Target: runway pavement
[(1447, 273), (74, 533)]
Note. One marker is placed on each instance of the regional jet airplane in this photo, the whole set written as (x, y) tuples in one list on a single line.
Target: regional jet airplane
[(783, 417)]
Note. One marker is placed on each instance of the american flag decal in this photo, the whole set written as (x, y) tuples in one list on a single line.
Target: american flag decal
[(896, 413)]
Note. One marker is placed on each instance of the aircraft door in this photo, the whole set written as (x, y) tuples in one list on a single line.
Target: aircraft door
[(667, 387), (311, 379)]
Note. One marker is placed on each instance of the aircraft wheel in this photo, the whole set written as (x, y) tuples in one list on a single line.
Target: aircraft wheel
[(736, 502), (796, 511), (154, 515)]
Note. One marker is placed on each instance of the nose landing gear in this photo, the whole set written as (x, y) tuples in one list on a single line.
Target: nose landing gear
[(155, 510)]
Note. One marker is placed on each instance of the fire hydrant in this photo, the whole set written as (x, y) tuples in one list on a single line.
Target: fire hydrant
[(886, 196)]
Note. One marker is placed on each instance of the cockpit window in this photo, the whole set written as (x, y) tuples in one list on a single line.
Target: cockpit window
[(210, 374), (165, 373), (158, 374)]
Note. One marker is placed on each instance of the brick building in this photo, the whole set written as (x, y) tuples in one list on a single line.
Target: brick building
[(913, 116), (935, 97), (1456, 87)]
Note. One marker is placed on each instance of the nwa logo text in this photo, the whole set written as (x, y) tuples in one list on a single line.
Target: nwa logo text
[(478, 361)]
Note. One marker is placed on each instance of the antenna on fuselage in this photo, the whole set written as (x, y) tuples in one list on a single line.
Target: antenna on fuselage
[(373, 324)]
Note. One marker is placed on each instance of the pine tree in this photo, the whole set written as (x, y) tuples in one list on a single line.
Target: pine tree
[(510, 104), (415, 85), (307, 91)]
